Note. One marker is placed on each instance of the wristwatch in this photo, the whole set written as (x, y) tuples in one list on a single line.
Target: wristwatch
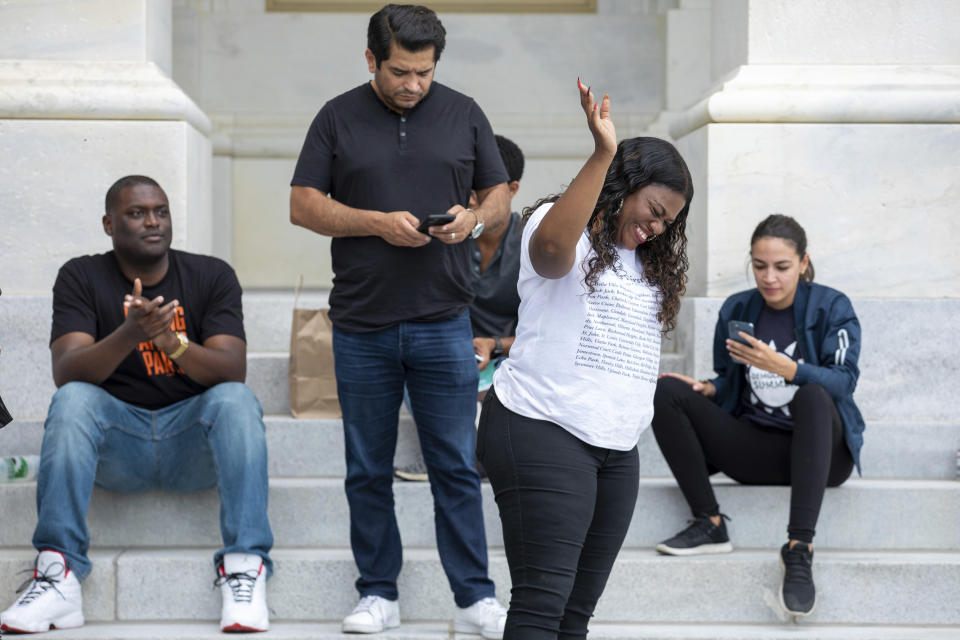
[(184, 343), (478, 228), (497, 348)]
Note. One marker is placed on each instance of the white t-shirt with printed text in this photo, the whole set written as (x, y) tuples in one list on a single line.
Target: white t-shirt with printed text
[(587, 362)]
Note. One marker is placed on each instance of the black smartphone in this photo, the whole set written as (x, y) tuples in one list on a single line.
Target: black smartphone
[(734, 327), (436, 220)]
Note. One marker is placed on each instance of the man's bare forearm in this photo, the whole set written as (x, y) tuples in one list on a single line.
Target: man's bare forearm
[(494, 206), (93, 362), (221, 358), (314, 210)]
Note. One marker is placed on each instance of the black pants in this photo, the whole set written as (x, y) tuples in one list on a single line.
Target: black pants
[(698, 438), (565, 507)]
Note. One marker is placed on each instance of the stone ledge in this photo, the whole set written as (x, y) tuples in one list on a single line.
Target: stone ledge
[(92, 90), (829, 93)]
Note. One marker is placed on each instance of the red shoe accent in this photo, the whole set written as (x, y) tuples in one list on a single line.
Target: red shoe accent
[(9, 629), (237, 627)]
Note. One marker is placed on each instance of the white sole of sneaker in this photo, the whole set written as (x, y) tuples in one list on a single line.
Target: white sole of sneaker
[(410, 476), (796, 614), (720, 547), (69, 621), (353, 627)]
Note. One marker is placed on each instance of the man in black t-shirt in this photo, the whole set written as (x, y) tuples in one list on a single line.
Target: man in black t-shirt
[(378, 160), (149, 355)]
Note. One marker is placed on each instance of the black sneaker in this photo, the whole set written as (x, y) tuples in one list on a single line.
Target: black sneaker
[(797, 594), (702, 536), (413, 472)]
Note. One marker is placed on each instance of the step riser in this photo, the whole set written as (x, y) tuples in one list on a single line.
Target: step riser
[(643, 587), (891, 450), (315, 514)]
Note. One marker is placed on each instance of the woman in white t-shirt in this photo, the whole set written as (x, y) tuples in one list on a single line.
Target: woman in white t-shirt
[(602, 270)]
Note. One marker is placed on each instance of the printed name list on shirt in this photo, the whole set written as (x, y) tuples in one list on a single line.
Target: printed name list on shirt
[(621, 334)]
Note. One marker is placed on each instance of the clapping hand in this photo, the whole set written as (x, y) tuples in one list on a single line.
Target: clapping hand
[(147, 318), (598, 119)]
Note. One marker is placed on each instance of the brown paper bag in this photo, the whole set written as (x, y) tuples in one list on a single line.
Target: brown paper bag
[(313, 383)]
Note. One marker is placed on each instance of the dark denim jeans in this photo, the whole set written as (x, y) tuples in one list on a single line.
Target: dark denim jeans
[(215, 439), (435, 360)]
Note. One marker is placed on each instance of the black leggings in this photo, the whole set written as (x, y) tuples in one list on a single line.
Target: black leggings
[(565, 507), (698, 439)]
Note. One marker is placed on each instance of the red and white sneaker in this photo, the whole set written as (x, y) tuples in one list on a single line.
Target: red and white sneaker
[(51, 601), (243, 589)]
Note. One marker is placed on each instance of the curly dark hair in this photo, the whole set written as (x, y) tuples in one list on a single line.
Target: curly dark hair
[(637, 163)]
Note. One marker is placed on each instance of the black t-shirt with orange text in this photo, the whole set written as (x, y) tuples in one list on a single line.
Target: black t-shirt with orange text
[(88, 297)]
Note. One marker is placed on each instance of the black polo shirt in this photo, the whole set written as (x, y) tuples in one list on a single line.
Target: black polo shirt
[(425, 161)]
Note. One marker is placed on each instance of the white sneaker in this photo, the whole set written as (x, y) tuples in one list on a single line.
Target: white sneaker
[(372, 615), (52, 600), (243, 589), (486, 617)]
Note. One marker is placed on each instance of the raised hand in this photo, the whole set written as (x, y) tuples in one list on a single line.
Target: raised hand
[(598, 119)]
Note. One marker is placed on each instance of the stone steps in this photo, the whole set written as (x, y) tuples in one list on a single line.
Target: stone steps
[(312, 512), (314, 448), (864, 587), (443, 631), (887, 565)]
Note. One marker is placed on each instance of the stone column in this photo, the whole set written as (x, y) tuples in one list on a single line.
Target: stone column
[(85, 98), (845, 115)]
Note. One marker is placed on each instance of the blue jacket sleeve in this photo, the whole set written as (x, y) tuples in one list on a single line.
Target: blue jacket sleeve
[(839, 351), (721, 359)]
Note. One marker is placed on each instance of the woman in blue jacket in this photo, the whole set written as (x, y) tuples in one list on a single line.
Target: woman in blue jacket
[(780, 410)]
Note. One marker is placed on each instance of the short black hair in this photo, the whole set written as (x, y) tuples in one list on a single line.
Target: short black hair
[(413, 27), (512, 157), (113, 193)]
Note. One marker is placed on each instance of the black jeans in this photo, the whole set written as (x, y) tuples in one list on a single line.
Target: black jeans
[(698, 438), (565, 507)]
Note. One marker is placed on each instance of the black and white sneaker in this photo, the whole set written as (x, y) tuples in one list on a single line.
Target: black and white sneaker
[(702, 536), (797, 593)]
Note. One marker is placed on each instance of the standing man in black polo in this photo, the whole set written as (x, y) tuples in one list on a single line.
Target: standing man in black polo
[(378, 160)]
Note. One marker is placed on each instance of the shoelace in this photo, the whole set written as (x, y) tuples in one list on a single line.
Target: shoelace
[(489, 606), (700, 524), (798, 569), (241, 584), (366, 603), (40, 584)]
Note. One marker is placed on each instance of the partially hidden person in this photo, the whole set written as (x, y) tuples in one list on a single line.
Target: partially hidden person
[(149, 357), (779, 410), (602, 269)]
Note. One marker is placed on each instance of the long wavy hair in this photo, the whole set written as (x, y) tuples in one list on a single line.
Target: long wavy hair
[(637, 163)]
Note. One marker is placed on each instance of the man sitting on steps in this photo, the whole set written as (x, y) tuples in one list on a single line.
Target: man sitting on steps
[(149, 355)]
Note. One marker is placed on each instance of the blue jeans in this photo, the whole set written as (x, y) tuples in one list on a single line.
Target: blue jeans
[(435, 360), (215, 439)]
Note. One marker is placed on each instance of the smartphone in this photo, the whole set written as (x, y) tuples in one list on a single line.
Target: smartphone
[(734, 327), (436, 220)]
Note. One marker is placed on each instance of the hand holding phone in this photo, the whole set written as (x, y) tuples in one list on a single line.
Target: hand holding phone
[(734, 327), (435, 220)]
